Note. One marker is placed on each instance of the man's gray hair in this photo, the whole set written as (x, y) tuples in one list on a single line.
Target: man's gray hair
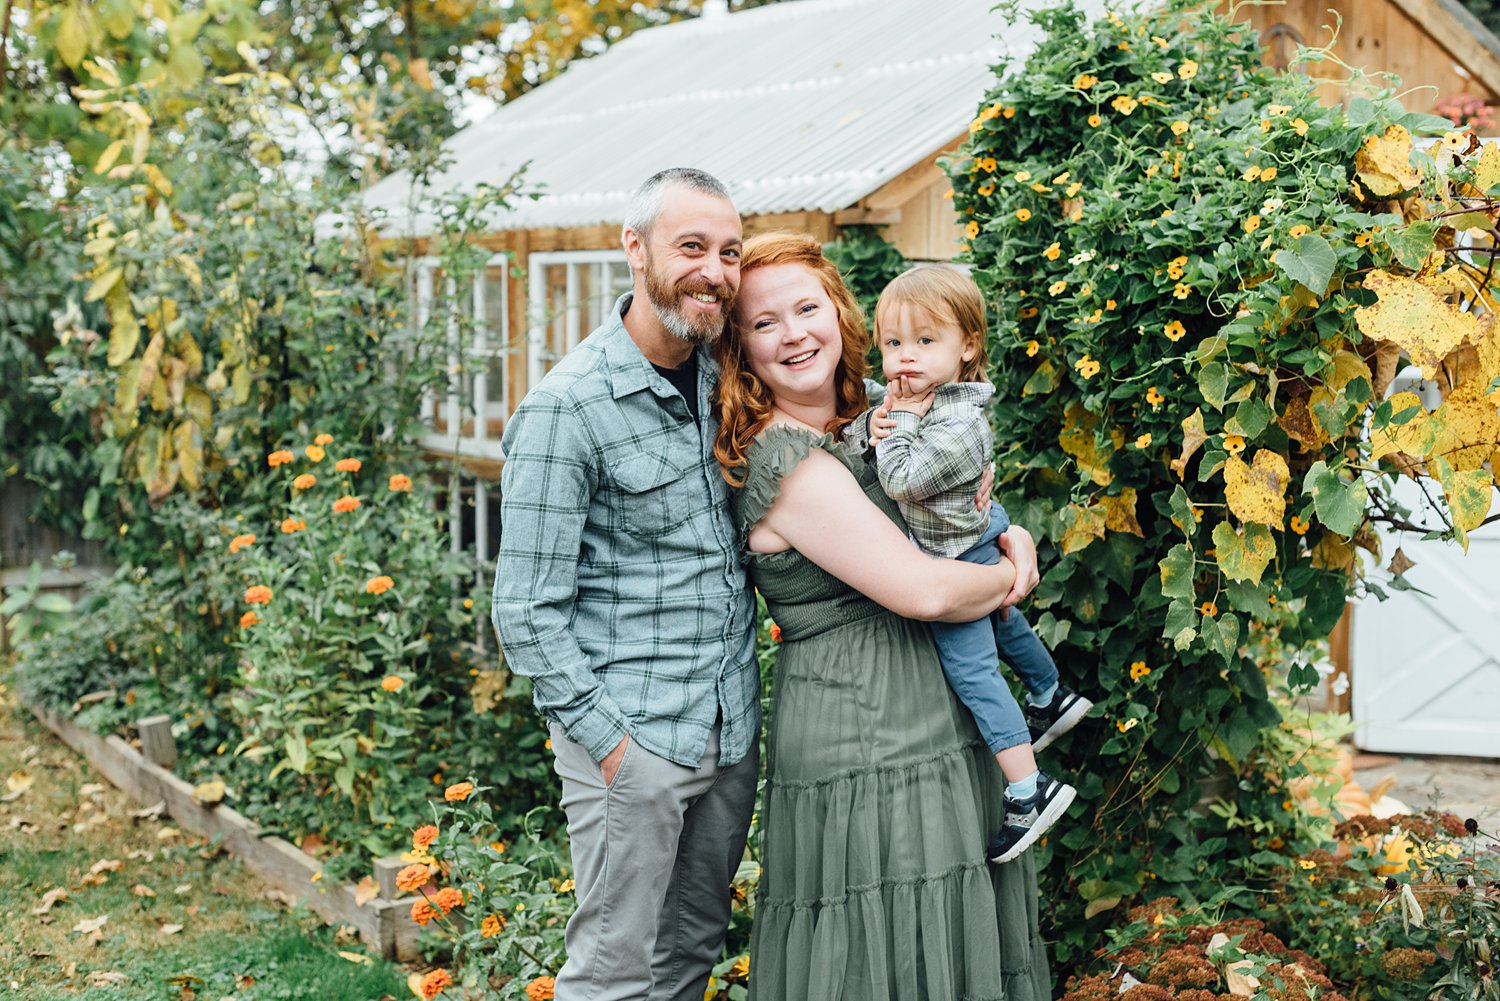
[(645, 204)]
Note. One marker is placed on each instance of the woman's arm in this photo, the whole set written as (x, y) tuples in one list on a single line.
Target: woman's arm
[(823, 514)]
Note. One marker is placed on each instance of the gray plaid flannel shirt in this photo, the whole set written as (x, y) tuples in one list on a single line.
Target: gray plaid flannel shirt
[(619, 590), (931, 467)]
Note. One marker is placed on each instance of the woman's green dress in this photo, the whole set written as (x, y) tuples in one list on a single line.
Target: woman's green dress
[(879, 799)]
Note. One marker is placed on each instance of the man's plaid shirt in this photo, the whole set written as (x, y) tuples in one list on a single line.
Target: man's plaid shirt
[(931, 467), (619, 590)]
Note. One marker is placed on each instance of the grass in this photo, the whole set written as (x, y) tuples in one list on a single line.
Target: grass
[(184, 920)]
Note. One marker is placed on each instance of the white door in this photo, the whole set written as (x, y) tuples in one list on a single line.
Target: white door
[(1425, 670)]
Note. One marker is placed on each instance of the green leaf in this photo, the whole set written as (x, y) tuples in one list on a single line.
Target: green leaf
[(296, 752), (1340, 503), (1413, 242), (1213, 383), (54, 604), (1181, 507), (1243, 555), (1310, 262), (1182, 623), (1250, 419), (72, 36), (1178, 571)]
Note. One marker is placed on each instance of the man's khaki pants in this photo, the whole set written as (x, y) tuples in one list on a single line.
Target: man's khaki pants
[(653, 856)]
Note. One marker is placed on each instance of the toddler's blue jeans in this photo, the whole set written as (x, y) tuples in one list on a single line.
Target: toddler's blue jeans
[(969, 654)]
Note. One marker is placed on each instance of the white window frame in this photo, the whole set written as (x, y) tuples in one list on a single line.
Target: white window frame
[(538, 357), (476, 444)]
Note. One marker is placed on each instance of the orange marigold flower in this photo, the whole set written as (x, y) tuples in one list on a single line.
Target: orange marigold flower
[(290, 525), (379, 585), (541, 989), (258, 594), (436, 982), (423, 836), (249, 619), (393, 683), (422, 912), (240, 542), (345, 503), (400, 483), (492, 925), (280, 457), (347, 465), (304, 481), (412, 878), (448, 898), (458, 792), (323, 439), (314, 452)]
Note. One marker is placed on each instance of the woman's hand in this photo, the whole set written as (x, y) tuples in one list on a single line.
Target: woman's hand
[(1020, 548)]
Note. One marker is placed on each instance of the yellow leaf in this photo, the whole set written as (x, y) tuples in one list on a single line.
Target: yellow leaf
[(355, 957), (1079, 440), (1333, 552), (1487, 167), (1414, 438), (209, 793), (1417, 317), (1243, 555), (414, 984), (1469, 495), (1345, 367), (1193, 436), (109, 156), (157, 178), (1119, 513), (101, 286), (365, 891), (72, 35), (1384, 163), (1085, 524), (1257, 492)]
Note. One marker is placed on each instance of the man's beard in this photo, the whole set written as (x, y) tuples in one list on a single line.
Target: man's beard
[(693, 327)]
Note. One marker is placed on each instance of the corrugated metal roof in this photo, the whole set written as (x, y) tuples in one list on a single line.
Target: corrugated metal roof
[(801, 105)]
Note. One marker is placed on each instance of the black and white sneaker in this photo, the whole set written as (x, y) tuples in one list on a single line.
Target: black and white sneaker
[(1057, 717), (1026, 820)]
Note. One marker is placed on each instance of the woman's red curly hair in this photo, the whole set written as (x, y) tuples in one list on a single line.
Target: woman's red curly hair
[(745, 403)]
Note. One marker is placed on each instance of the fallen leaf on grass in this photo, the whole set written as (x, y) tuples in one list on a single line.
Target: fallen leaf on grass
[(182, 888), (49, 898), (139, 855), (355, 957), (151, 812), (277, 897), (171, 929), (16, 785), (92, 789), (168, 833), (93, 879), (92, 928), (106, 865), (414, 984), (142, 890), (209, 793), (105, 978)]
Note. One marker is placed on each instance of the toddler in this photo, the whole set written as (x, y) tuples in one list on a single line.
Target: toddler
[(930, 326)]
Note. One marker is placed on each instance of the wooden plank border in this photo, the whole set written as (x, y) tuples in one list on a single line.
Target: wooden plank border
[(384, 924)]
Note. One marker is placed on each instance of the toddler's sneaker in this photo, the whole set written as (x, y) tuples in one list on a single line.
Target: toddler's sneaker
[(1026, 820), (1057, 717)]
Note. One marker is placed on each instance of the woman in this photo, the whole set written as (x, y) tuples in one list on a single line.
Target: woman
[(879, 790)]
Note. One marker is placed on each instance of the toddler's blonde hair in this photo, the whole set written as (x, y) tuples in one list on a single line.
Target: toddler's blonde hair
[(944, 294)]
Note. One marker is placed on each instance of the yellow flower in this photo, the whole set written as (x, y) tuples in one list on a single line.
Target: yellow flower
[(290, 525), (1062, 178), (280, 457), (985, 190), (1109, 305), (1161, 77), (1126, 724), (566, 886), (972, 229), (1040, 188), (1276, 110), (1234, 444), (1053, 252), (1299, 526), (1027, 312), (304, 481), (1084, 81), (1023, 214), (1298, 230), (1252, 224), (1269, 174), (1144, 441), (347, 465), (323, 439), (1209, 609), (987, 164), (1057, 287), (1087, 367), (1188, 70), (1174, 330), (1362, 240), (1094, 121), (976, 125), (1161, 43), (1181, 291), (1303, 863), (1032, 347), (1124, 104), (393, 683), (1251, 173), (1073, 189), (1139, 670), (1154, 398), (1095, 316), (1300, 126), (1152, 170), (314, 452), (1178, 128), (1008, 113), (1023, 176), (379, 585)]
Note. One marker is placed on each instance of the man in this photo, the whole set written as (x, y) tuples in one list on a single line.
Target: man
[(620, 594)]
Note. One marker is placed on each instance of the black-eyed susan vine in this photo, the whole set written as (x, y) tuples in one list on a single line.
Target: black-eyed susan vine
[(1204, 281)]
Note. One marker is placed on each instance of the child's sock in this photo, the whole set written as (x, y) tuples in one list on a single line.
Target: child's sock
[(1042, 698), (1023, 788)]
